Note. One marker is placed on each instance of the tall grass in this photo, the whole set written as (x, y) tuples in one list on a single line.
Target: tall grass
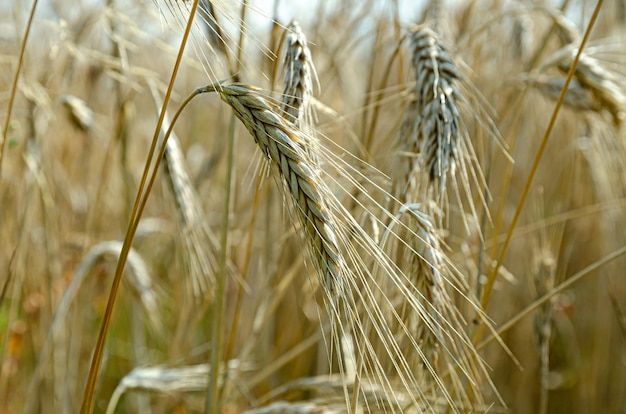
[(377, 208)]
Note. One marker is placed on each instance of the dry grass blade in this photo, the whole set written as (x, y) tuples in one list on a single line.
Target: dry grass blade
[(5, 129)]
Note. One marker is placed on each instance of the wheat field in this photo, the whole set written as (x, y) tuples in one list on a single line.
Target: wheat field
[(369, 206)]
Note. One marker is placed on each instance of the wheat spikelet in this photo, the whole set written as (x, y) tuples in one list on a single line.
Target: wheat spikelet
[(435, 321), (544, 269), (196, 237), (167, 380), (326, 393), (522, 37), (283, 407), (79, 113), (427, 262), (576, 97), (298, 86)]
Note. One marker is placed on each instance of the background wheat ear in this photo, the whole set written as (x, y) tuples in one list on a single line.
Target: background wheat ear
[(199, 242), (605, 89), (430, 136), (299, 74)]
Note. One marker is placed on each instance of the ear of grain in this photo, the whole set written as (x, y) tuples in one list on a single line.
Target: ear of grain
[(79, 113), (433, 145), (298, 77), (435, 320), (430, 129), (576, 97), (284, 149), (607, 88), (160, 379), (427, 264), (299, 72)]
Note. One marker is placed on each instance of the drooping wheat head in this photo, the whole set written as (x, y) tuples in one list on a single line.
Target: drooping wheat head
[(285, 150)]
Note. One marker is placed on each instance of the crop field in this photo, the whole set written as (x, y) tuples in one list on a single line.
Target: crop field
[(264, 207)]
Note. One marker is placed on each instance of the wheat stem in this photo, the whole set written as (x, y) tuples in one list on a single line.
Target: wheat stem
[(537, 160), (96, 362), (18, 69)]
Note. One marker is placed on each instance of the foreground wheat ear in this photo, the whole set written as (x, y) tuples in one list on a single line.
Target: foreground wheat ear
[(285, 150)]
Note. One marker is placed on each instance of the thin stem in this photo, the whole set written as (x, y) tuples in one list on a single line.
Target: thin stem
[(538, 157), (96, 362), (212, 402), (20, 62), (213, 389)]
